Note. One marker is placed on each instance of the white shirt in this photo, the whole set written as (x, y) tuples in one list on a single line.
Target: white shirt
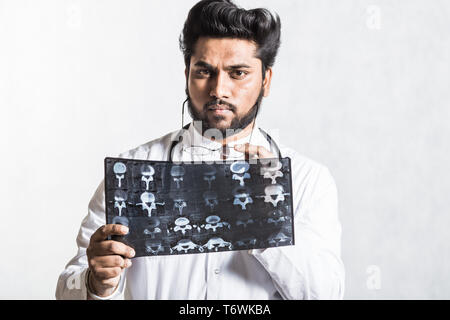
[(311, 269)]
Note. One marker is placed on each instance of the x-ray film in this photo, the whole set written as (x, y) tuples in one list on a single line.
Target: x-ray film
[(184, 208)]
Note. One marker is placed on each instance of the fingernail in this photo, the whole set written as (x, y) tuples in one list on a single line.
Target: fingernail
[(132, 253), (124, 229), (129, 263), (238, 147)]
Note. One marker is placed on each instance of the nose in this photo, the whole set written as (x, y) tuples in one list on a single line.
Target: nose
[(220, 86)]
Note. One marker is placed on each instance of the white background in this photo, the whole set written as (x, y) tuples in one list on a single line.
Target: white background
[(360, 86)]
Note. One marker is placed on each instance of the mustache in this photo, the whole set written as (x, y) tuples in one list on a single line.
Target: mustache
[(217, 102)]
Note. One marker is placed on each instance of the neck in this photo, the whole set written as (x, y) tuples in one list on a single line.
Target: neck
[(241, 134), (238, 134)]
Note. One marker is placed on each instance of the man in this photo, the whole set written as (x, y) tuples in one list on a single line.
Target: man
[(229, 54)]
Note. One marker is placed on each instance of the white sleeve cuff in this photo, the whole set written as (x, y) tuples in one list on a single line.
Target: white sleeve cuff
[(115, 294)]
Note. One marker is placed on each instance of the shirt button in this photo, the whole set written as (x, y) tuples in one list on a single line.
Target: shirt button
[(217, 271)]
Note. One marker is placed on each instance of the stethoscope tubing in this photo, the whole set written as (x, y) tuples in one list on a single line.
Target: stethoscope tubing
[(269, 139)]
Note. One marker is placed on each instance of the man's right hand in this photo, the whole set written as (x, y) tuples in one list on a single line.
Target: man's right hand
[(107, 259)]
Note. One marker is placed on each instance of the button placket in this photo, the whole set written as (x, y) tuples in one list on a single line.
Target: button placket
[(214, 275)]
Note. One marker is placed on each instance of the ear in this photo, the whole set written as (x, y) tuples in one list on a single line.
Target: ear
[(186, 73), (267, 81)]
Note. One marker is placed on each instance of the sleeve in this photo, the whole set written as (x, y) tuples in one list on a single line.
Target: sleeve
[(72, 281), (312, 268)]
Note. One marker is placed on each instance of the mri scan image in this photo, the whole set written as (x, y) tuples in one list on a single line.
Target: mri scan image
[(186, 208)]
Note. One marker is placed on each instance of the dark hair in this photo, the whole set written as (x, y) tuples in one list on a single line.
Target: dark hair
[(223, 19)]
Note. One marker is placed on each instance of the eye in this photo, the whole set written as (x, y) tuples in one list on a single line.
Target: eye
[(203, 72), (239, 74)]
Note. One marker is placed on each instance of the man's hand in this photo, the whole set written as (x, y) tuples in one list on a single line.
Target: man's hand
[(252, 152), (107, 259)]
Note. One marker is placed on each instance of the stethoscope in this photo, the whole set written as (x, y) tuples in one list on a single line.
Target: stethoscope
[(272, 143)]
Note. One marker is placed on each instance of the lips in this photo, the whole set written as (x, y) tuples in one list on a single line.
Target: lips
[(219, 107)]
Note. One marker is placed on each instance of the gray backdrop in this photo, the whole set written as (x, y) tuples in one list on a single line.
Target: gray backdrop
[(360, 86)]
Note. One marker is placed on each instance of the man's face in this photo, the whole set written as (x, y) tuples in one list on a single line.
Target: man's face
[(225, 83)]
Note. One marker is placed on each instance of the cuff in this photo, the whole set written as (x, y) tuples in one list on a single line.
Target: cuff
[(116, 292)]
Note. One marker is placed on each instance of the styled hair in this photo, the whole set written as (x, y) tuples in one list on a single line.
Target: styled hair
[(223, 19)]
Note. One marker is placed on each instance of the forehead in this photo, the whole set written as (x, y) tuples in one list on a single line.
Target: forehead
[(225, 51)]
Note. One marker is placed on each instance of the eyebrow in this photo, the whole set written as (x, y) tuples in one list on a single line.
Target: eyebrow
[(206, 65)]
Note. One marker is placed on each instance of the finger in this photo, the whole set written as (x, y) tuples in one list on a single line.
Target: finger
[(111, 261), (252, 150), (111, 247), (103, 232)]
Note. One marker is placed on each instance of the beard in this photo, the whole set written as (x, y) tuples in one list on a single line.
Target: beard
[(237, 123)]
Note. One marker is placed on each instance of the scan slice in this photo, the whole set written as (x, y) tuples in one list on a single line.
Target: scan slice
[(194, 208)]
